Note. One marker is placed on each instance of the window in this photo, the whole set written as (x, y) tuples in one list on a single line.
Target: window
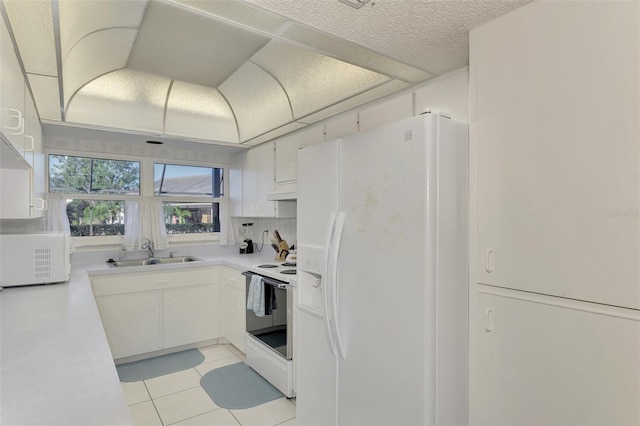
[(96, 190), (185, 187), (90, 218), (187, 181), (80, 175), (191, 218)]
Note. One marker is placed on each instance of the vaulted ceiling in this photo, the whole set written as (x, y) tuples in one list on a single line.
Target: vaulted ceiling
[(226, 71)]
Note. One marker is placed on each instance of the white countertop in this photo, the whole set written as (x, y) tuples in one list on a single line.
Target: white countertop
[(56, 366)]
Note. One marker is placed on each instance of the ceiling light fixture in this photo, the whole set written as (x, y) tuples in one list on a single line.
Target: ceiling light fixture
[(356, 4)]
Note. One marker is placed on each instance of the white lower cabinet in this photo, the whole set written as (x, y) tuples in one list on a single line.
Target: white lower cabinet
[(132, 322), (543, 360), (144, 312), (190, 315)]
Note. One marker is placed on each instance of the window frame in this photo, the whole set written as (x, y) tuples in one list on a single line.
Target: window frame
[(222, 201), (48, 169), (146, 190)]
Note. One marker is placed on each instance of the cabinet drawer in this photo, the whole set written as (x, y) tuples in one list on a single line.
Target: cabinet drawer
[(128, 283)]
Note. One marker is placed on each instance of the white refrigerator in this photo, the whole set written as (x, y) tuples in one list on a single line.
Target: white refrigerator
[(382, 319)]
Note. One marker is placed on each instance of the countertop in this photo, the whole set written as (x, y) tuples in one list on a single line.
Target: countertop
[(56, 366)]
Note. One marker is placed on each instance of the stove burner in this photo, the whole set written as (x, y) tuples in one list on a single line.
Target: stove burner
[(289, 264), (268, 265), (288, 272)]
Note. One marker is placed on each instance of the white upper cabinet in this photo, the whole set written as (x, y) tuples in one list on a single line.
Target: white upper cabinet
[(554, 154), (12, 120), (287, 151), (258, 181), (343, 125), (387, 111)]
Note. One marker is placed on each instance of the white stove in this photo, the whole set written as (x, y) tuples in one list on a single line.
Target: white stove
[(269, 346), (282, 271)]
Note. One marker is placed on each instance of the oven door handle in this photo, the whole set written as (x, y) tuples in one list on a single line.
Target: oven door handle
[(326, 283)]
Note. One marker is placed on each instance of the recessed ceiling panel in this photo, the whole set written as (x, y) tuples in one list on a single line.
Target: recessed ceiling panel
[(258, 101), (124, 99), (311, 80), (178, 43), (32, 27), (47, 96), (97, 54), (199, 112), (79, 18)]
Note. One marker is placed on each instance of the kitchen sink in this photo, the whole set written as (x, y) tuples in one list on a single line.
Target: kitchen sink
[(154, 261)]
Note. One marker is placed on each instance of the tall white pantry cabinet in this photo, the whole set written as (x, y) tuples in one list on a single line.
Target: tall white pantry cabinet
[(555, 235)]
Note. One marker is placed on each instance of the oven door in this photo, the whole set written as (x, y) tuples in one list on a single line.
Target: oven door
[(272, 330)]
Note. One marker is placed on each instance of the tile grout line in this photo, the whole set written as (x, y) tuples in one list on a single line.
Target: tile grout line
[(192, 417), (152, 402)]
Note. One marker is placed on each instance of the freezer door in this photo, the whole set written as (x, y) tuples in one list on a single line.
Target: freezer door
[(316, 363)]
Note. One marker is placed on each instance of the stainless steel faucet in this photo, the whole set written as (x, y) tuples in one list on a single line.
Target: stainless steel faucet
[(148, 245)]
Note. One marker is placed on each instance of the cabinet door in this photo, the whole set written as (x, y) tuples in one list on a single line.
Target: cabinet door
[(558, 175), (287, 151), (543, 360), (190, 315), (233, 308), (250, 183), (11, 92), (258, 181), (131, 322), (15, 193), (266, 175), (341, 126)]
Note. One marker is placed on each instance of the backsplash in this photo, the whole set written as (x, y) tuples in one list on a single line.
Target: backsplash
[(286, 228)]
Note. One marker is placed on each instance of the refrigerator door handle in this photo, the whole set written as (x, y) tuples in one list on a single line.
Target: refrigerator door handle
[(339, 229), (326, 274)]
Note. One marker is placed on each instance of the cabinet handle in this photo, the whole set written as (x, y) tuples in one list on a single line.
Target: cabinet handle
[(489, 261), (32, 145), (170, 301), (42, 204), (153, 302), (489, 320), (19, 129), (292, 168)]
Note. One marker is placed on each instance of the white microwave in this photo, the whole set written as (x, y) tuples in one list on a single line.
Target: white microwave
[(27, 259)]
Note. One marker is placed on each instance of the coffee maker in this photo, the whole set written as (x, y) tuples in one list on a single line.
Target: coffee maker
[(246, 247)]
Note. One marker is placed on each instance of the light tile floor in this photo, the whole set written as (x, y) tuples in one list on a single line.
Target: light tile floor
[(178, 398)]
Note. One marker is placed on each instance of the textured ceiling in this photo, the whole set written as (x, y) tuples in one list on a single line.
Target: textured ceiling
[(232, 71), (431, 35)]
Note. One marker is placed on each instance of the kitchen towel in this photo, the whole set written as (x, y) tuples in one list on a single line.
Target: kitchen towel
[(255, 298), (270, 302)]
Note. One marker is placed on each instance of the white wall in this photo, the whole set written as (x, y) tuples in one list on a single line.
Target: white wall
[(447, 95)]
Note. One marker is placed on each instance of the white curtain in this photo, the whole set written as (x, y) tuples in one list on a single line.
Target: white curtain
[(57, 219), (227, 236), (144, 218)]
